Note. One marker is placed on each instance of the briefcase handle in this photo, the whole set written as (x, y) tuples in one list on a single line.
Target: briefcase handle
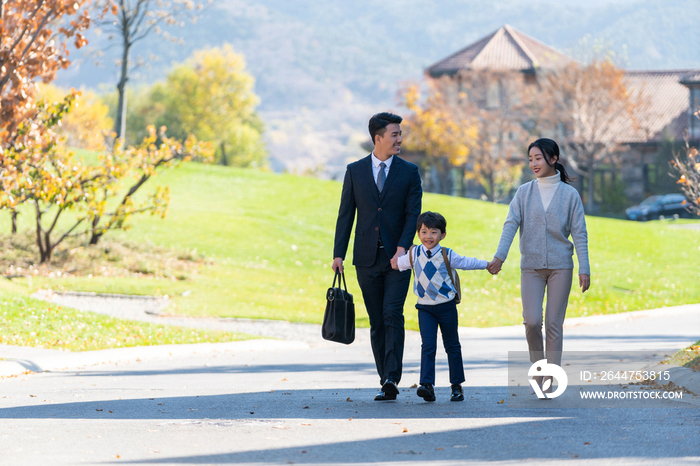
[(338, 273)]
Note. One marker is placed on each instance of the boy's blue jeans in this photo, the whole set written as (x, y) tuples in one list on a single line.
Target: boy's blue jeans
[(429, 318)]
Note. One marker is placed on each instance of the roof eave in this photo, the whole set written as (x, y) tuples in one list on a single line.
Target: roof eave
[(453, 72)]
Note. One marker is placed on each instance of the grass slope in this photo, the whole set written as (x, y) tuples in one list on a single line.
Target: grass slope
[(31, 322), (271, 239)]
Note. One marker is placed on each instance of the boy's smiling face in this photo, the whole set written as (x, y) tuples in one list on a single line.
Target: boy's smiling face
[(430, 237)]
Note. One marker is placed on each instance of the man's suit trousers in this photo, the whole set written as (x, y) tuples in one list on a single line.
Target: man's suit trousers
[(384, 291)]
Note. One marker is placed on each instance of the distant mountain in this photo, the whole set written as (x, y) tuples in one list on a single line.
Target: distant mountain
[(323, 67)]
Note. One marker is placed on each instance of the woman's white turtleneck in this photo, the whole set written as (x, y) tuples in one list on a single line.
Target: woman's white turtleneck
[(547, 186)]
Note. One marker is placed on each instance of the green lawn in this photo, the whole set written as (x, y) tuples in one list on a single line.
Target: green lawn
[(271, 239), (30, 322)]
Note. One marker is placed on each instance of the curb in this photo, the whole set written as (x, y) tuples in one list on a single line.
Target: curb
[(682, 377), (56, 361)]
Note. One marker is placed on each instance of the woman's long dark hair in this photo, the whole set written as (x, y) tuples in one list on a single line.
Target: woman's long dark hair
[(549, 150)]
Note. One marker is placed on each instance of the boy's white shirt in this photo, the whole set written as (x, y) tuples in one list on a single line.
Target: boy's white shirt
[(456, 261)]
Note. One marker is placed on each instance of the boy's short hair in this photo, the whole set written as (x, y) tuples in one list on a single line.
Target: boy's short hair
[(432, 220), (379, 122)]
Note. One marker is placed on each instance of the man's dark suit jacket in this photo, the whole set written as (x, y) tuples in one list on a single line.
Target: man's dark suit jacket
[(394, 213)]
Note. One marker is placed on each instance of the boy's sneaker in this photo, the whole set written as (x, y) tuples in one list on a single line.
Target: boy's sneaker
[(426, 392), (457, 393)]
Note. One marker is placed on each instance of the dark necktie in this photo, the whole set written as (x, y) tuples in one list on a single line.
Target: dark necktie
[(381, 177), (430, 254)]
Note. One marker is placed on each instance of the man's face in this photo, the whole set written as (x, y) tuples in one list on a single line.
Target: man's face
[(390, 142)]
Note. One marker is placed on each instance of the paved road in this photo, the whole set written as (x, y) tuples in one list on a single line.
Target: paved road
[(308, 401)]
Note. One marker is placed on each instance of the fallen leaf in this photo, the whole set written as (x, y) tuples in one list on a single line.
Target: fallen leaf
[(441, 448), (304, 424), (405, 430), (501, 402), (305, 407), (349, 400), (252, 412), (33, 396), (111, 411), (586, 443), (414, 385), (98, 409)]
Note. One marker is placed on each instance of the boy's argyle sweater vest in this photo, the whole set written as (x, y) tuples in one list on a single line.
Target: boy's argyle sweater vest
[(432, 283)]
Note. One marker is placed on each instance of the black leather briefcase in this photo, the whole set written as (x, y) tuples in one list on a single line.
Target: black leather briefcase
[(339, 319)]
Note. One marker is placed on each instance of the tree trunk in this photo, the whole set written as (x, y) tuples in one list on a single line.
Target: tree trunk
[(120, 121), (48, 248), (590, 202), (95, 237), (446, 177), (224, 160), (15, 214), (43, 243)]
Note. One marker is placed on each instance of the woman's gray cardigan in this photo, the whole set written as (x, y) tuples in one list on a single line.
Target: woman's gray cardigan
[(544, 242)]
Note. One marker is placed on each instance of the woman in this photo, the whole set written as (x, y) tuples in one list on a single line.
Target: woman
[(547, 211)]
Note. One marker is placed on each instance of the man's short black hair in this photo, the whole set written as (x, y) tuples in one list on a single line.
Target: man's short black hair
[(432, 220), (379, 122)]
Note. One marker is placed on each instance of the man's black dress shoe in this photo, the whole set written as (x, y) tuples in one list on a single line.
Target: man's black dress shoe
[(390, 388), (382, 396), (426, 391), (457, 393)]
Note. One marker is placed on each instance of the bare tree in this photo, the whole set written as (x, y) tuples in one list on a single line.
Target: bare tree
[(588, 109), (688, 167), (134, 21), (493, 110)]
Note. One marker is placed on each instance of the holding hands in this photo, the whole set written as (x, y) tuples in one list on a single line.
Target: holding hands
[(494, 266)]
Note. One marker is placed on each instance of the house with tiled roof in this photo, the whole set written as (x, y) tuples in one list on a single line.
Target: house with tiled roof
[(507, 49), (671, 97)]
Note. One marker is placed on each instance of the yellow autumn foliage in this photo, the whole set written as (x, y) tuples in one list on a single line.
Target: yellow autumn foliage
[(87, 121)]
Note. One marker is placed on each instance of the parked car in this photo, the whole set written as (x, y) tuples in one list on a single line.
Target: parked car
[(663, 205)]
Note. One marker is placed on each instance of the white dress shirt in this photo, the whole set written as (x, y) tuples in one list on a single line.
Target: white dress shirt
[(456, 261), (376, 168)]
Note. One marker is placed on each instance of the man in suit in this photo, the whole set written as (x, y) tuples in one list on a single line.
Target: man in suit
[(385, 192)]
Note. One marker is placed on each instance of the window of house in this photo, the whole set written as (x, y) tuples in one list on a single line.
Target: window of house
[(493, 95), (694, 107)]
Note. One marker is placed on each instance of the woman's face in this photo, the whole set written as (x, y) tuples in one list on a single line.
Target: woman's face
[(539, 165)]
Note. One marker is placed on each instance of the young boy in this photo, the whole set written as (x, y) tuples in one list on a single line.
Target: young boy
[(436, 301)]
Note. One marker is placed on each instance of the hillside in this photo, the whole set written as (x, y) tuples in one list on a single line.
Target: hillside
[(270, 239), (323, 68)]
